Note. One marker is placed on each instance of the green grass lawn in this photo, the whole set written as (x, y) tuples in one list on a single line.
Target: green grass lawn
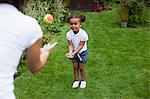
[(118, 67)]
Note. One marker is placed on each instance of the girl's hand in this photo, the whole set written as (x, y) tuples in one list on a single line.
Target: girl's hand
[(69, 55)]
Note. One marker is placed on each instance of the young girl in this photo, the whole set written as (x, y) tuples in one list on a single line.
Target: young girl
[(78, 52)]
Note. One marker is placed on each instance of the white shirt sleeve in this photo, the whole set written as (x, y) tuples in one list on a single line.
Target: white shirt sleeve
[(35, 34), (84, 37), (68, 36)]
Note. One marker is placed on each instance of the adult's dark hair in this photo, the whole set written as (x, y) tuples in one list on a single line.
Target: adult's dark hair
[(17, 3), (81, 17)]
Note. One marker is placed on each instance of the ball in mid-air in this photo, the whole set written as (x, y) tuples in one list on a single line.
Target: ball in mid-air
[(48, 18)]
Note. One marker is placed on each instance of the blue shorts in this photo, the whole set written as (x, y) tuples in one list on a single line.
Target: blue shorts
[(81, 58)]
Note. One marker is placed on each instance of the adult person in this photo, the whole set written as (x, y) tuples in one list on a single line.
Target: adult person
[(18, 32)]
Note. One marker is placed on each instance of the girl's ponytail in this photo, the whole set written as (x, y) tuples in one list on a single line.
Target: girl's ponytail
[(82, 18), (68, 19)]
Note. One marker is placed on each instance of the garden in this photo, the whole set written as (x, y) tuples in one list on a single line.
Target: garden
[(119, 53)]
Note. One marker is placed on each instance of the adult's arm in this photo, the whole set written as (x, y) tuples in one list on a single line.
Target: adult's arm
[(37, 56)]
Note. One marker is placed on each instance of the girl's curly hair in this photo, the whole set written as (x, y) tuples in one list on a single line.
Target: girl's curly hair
[(81, 17)]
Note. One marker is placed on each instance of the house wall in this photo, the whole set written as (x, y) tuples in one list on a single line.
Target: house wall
[(80, 4)]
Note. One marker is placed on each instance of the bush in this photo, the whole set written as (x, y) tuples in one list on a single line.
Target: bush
[(39, 8), (136, 10)]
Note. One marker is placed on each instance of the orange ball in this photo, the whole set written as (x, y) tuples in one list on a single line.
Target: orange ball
[(48, 18)]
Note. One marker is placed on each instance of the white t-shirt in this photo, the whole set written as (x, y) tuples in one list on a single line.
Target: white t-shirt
[(17, 32), (76, 38)]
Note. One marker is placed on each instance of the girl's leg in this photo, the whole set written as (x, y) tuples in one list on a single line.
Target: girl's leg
[(76, 70), (82, 71)]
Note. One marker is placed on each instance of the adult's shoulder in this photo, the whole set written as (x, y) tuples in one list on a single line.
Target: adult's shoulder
[(33, 30), (31, 24), (30, 20)]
